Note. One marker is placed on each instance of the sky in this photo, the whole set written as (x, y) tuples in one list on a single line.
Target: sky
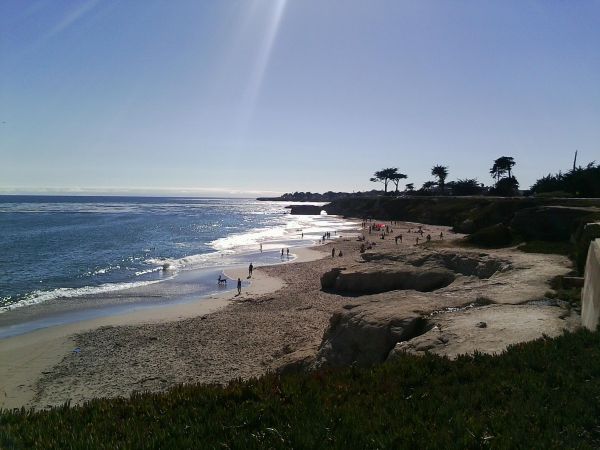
[(259, 97)]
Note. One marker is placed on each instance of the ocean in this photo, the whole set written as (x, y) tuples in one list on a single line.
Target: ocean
[(61, 248)]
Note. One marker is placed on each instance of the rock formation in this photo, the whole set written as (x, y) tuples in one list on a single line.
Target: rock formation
[(419, 300), (590, 296), (305, 210)]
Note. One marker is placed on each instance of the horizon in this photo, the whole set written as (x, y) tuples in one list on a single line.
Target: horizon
[(237, 99)]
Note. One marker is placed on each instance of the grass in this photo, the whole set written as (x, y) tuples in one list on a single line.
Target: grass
[(542, 394)]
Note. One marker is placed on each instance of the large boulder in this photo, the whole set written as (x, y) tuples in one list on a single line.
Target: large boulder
[(590, 296)]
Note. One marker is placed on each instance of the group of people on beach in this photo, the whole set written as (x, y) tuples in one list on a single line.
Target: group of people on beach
[(387, 230)]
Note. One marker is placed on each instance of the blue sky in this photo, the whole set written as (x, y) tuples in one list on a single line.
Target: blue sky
[(226, 97)]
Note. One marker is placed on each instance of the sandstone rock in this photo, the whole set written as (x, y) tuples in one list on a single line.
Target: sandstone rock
[(584, 235), (590, 296), (297, 361), (365, 335), (512, 324), (328, 278), (373, 281)]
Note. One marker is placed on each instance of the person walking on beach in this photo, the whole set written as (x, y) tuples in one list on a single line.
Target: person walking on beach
[(250, 268), (441, 235), (239, 286), (282, 253), (288, 253), (261, 248)]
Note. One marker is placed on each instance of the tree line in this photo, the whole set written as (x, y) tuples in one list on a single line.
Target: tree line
[(578, 182)]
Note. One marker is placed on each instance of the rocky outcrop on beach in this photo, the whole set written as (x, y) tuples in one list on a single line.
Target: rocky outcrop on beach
[(489, 329), (305, 210), (400, 318), (373, 281)]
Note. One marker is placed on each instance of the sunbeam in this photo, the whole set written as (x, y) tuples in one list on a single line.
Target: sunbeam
[(257, 75)]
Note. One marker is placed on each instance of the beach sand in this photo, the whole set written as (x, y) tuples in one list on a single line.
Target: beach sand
[(280, 319), (24, 359)]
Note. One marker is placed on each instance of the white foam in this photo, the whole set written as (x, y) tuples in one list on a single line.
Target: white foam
[(43, 296), (286, 228), (289, 229)]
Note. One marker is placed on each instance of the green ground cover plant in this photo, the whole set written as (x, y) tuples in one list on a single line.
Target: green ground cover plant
[(542, 394)]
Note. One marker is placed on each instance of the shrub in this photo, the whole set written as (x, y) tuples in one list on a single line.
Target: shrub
[(498, 235)]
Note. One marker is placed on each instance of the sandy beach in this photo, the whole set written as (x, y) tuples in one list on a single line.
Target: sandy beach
[(278, 323), (27, 357)]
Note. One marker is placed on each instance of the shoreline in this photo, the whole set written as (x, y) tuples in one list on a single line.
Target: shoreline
[(27, 356), (280, 324)]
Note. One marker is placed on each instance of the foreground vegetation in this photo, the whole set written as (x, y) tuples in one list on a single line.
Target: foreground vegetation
[(543, 394)]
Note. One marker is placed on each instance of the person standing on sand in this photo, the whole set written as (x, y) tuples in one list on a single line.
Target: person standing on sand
[(239, 286), (288, 253), (250, 268), (333, 252)]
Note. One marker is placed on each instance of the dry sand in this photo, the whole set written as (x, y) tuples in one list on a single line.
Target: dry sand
[(280, 318)]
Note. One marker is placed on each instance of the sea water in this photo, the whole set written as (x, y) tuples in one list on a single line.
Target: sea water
[(73, 247)]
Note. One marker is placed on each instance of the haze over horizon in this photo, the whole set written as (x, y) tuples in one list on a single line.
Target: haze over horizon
[(260, 97)]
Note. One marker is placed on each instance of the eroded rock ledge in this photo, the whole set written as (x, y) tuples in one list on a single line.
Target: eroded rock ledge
[(448, 302)]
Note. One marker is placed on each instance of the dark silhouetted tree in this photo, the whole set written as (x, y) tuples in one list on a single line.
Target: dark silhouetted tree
[(506, 187), (441, 172), (428, 186), (502, 166), (469, 186), (385, 176), (396, 179), (579, 182)]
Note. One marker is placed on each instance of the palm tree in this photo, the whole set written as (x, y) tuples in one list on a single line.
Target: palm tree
[(386, 175), (441, 172)]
